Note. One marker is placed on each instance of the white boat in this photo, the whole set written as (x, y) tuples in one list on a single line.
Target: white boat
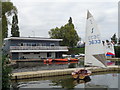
[(109, 49), (94, 50)]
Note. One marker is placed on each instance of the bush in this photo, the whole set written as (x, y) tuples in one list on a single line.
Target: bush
[(76, 50), (117, 51), (6, 73)]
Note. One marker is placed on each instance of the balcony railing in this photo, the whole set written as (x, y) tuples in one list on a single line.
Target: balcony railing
[(38, 48)]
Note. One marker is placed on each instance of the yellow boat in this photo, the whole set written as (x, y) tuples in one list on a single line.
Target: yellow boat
[(81, 74)]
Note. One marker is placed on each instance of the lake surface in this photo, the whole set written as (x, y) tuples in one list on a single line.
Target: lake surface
[(37, 66), (67, 82)]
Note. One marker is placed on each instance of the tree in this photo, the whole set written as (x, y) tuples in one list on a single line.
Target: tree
[(119, 41), (6, 73), (67, 33), (114, 38), (15, 28), (7, 10)]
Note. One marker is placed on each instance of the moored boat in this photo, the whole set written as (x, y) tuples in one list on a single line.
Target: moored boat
[(81, 74), (61, 60), (94, 49)]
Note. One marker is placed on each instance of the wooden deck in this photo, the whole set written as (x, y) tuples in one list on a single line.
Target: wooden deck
[(60, 72), (113, 59)]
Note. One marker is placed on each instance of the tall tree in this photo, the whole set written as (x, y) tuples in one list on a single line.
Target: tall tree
[(15, 28), (119, 41), (7, 10), (67, 33), (114, 38)]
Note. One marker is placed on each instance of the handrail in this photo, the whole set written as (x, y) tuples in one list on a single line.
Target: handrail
[(38, 48)]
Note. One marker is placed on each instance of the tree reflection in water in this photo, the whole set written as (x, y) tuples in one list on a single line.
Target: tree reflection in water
[(69, 82)]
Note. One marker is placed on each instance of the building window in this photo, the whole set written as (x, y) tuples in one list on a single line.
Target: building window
[(43, 44), (21, 44), (24, 44), (37, 44), (40, 44), (52, 44), (33, 44), (36, 53), (26, 53), (49, 54), (28, 44)]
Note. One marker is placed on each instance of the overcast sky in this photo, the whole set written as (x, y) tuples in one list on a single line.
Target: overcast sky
[(37, 17)]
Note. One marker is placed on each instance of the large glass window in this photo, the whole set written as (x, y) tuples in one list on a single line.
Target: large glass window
[(52, 44), (33, 44), (43, 44)]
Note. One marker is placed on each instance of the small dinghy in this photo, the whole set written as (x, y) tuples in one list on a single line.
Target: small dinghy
[(94, 49), (81, 74)]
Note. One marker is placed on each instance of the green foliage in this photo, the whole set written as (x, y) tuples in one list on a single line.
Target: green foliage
[(67, 33), (76, 50), (119, 41), (7, 10), (117, 51), (107, 41), (4, 27), (6, 73), (114, 38), (15, 28), (72, 65)]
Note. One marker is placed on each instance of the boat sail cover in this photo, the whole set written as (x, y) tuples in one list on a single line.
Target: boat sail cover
[(109, 49), (94, 50)]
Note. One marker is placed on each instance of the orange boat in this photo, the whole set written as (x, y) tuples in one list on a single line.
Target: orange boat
[(73, 59), (60, 60), (48, 60)]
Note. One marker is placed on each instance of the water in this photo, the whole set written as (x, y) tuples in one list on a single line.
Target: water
[(37, 66), (97, 81), (67, 82)]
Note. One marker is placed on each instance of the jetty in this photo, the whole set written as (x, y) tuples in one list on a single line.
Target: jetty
[(60, 72), (113, 59)]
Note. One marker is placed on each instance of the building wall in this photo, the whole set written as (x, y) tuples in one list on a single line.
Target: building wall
[(31, 55), (34, 55), (33, 42), (6, 47), (15, 56), (58, 54), (43, 55)]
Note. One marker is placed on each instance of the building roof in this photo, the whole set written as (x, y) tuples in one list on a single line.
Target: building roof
[(32, 38)]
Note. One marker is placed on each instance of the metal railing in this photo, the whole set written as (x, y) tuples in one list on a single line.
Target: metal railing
[(38, 48)]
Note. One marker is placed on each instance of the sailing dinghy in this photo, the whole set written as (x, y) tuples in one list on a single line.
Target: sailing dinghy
[(94, 50)]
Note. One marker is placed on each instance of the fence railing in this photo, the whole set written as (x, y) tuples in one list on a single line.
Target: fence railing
[(38, 48)]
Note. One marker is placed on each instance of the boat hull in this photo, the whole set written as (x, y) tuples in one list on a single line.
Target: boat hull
[(61, 60), (81, 74)]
